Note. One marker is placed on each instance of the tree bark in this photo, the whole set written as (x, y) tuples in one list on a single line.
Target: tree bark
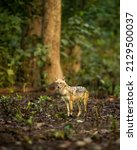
[(51, 32), (30, 67)]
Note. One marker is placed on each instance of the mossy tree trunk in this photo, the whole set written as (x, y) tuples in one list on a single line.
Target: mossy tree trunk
[(30, 68)]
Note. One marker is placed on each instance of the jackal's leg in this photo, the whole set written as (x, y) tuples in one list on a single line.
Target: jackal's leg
[(71, 105), (85, 105), (68, 109), (79, 109), (85, 101)]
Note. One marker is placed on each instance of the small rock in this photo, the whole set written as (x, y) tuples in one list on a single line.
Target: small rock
[(80, 143), (87, 140)]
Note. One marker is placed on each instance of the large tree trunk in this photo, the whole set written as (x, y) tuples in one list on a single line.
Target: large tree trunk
[(51, 32)]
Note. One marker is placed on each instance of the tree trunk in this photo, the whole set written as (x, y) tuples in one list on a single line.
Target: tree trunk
[(35, 30), (30, 67), (51, 32), (31, 36)]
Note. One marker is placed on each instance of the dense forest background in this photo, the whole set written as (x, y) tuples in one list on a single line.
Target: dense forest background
[(33, 54)]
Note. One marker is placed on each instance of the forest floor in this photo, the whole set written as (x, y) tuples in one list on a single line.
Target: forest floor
[(35, 121)]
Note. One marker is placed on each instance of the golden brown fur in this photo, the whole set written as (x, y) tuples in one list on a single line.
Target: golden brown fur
[(72, 94)]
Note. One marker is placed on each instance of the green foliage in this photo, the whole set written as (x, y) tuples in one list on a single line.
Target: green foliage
[(10, 32), (94, 26), (6, 107), (66, 132), (44, 98), (13, 108), (13, 21), (101, 71)]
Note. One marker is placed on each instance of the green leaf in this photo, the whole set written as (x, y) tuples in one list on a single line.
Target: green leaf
[(10, 72)]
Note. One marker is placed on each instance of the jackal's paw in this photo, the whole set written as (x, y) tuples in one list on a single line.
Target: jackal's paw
[(71, 116)]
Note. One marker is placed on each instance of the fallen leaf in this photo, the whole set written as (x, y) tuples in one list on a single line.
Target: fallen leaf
[(80, 143)]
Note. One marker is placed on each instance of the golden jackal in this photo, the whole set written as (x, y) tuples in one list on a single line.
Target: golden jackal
[(72, 94)]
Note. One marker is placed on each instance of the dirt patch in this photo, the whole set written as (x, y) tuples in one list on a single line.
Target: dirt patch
[(35, 121)]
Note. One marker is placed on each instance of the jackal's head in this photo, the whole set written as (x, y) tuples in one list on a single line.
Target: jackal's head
[(60, 83)]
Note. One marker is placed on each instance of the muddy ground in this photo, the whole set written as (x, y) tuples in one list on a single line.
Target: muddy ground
[(35, 121)]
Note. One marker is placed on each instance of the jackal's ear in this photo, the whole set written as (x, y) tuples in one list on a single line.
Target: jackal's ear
[(55, 79), (63, 78)]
